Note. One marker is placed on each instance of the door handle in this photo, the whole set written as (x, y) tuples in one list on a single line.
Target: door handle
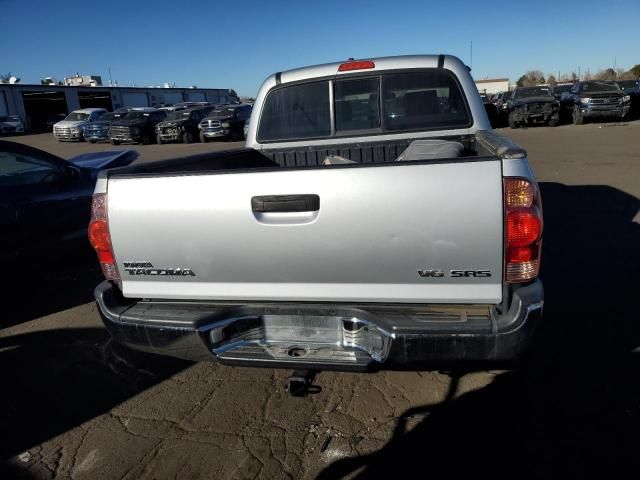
[(285, 203)]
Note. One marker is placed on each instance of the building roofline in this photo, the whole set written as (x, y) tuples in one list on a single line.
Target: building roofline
[(105, 87)]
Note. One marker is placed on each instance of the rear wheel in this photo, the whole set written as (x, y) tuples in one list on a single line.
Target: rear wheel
[(146, 139), (578, 118), (512, 120), (187, 137)]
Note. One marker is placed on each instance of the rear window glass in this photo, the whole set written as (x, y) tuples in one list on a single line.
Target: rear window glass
[(296, 112), (357, 104), (427, 100)]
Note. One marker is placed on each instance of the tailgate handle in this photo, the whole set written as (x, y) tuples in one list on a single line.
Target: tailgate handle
[(285, 203)]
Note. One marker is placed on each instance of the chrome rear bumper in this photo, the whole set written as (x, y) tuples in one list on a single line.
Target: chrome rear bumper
[(323, 337)]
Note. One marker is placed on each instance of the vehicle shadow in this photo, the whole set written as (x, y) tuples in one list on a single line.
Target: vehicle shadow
[(54, 380), (572, 409), (60, 283)]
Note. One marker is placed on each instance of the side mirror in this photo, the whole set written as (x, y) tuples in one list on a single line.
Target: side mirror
[(72, 172)]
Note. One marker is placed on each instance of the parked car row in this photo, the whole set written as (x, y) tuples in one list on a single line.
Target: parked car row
[(185, 123), (571, 102)]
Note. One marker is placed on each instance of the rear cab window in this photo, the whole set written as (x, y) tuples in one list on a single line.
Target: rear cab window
[(296, 111), (364, 105)]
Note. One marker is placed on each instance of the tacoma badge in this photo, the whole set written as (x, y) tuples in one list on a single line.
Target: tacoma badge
[(146, 268)]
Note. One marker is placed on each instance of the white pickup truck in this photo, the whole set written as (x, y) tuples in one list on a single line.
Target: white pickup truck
[(374, 220)]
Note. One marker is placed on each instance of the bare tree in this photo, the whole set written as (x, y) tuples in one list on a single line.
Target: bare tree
[(551, 80), (531, 79), (607, 74)]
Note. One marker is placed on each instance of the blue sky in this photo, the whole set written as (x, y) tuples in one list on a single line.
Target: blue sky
[(237, 44)]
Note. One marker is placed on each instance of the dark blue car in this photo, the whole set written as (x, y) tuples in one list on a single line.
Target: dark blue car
[(45, 201), (632, 88)]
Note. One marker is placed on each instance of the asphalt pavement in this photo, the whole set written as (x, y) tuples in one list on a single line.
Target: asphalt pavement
[(76, 405)]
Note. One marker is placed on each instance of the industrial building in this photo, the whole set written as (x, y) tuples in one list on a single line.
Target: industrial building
[(37, 104), (489, 86)]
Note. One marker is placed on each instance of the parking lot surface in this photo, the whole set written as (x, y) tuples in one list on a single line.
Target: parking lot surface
[(74, 405)]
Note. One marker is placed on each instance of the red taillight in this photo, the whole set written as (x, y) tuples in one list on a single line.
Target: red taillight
[(523, 230), (356, 65), (100, 238), (524, 226)]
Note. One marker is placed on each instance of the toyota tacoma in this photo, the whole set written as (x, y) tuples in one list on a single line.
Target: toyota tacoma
[(373, 220)]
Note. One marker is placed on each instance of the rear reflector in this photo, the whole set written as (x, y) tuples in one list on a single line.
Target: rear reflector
[(356, 65), (100, 238), (523, 230), (524, 227)]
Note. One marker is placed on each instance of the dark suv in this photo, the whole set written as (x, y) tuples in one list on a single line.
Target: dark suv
[(99, 130), (596, 98), (181, 125), (225, 122), (138, 126), (533, 104)]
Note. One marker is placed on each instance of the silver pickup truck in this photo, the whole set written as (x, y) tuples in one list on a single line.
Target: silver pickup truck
[(374, 220)]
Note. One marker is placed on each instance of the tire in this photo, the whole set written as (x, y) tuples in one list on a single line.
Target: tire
[(203, 139), (187, 137), (145, 139), (577, 117), (553, 122), (92, 141), (512, 120), (159, 140), (115, 142)]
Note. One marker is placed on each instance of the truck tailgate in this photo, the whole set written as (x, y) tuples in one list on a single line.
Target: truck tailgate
[(398, 232)]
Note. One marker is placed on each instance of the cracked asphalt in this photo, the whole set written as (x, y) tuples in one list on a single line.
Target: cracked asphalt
[(75, 405)]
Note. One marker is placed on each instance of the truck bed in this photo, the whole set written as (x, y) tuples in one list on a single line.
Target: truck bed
[(484, 143)]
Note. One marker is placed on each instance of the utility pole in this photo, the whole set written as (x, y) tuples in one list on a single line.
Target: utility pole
[(110, 81)]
